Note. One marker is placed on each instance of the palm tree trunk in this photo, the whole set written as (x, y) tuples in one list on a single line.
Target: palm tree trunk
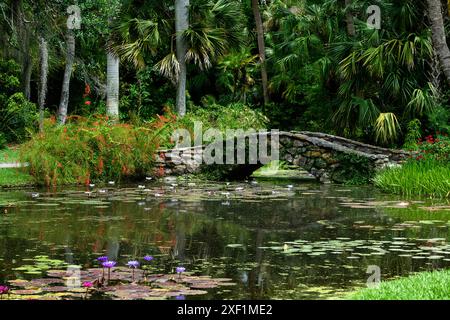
[(181, 25), (43, 53), (262, 49), (64, 102), (349, 19), (112, 86), (438, 34)]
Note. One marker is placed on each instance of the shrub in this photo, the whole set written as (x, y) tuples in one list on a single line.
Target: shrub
[(17, 114), (17, 118), (437, 148), (86, 150), (233, 116), (413, 135)]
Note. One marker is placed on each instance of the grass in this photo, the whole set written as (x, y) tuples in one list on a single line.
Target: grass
[(422, 286), (423, 178), (14, 178), (10, 154)]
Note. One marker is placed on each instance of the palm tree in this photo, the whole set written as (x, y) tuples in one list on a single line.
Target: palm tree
[(112, 85), (216, 27), (181, 25), (261, 48), (70, 57), (349, 19), (43, 53), (439, 36)]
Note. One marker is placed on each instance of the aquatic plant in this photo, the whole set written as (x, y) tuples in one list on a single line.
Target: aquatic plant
[(422, 176), (87, 285), (109, 265), (133, 265), (180, 270), (3, 290)]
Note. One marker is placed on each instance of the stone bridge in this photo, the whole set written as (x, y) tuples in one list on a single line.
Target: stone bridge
[(328, 158)]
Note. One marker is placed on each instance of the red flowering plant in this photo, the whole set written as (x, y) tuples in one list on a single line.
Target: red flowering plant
[(435, 147), (86, 96)]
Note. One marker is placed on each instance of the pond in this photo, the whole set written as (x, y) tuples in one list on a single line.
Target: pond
[(268, 240)]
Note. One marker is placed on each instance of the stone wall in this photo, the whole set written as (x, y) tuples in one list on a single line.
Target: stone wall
[(318, 153)]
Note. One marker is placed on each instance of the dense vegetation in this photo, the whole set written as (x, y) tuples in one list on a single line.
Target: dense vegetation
[(287, 64)]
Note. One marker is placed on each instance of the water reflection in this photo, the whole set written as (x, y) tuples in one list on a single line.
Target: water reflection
[(229, 231)]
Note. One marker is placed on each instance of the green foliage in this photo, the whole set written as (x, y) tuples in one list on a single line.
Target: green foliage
[(413, 135), (9, 79), (439, 120), (422, 286), (14, 178), (353, 170), (17, 118), (426, 177), (435, 148), (88, 150), (17, 114), (233, 116)]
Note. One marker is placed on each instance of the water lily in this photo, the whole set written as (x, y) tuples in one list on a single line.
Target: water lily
[(102, 259), (109, 265), (148, 258), (87, 285), (133, 265), (3, 290), (180, 270)]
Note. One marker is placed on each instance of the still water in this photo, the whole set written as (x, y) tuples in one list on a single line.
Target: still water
[(274, 240)]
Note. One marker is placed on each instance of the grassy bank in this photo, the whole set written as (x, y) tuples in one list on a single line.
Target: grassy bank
[(15, 178), (423, 178), (422, 286), (9, 155)]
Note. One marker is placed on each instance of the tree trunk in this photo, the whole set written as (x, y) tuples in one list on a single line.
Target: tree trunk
[(262, 49), (349, 19), (23, 37), (64, 102), (438, 33), (112, 86), (181, 25), (43, 53)]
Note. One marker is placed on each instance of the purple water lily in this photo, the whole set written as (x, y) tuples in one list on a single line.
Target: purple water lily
[(102, 259), (109, 264), (148, 258), (133, 264), (181, 270)]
